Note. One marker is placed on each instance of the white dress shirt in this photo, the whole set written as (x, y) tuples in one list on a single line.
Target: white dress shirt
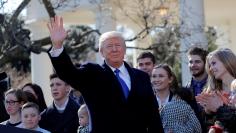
[(56, 52), (124, 74)]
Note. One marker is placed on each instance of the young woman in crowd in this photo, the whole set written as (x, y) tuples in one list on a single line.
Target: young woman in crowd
[(36, 90), (14, 99), (177, 116), (220, 66)]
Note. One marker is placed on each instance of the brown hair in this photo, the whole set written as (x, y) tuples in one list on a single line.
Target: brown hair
[(20, 95), (147, 55), (30, 105), (198, 51), (174, 86)]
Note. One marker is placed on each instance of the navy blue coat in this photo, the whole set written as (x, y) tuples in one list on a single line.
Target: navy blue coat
[(66, 122), (110, 111)]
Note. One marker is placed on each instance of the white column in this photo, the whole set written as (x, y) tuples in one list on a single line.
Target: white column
[(192, 31), (104, 22), (36, 11), (41, 66)]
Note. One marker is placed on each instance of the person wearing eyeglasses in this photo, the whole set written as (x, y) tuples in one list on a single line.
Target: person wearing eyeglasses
[(14, 99)]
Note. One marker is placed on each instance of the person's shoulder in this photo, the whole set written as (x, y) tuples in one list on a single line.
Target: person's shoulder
[(177, 106), (42, 130), (189, 83), (20, 125), (181, 103), (90, 66), (179, 100), (48, 110), (72, 103), (4, 122), (175, 101), (140, 72), (186, 94)]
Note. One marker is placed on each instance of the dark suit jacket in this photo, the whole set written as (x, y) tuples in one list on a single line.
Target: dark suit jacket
[(110, 111)]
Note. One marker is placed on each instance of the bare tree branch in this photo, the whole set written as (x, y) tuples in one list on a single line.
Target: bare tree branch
[(12, 24), (2, 3), (49, 8), (19, 9)]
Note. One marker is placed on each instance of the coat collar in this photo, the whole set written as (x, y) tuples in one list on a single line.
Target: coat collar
[(129, 69)]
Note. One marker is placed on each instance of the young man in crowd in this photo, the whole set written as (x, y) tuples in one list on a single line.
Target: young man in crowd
[(146, 61), (61, 116), (196, 63)]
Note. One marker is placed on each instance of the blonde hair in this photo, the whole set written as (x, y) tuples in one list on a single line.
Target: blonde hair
[(83, 109), (228, 59), (233, 86), (108, 35)]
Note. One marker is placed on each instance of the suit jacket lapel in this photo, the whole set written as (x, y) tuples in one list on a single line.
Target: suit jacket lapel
[(132, 77), (131, 74), (113, 80), (129, 69)]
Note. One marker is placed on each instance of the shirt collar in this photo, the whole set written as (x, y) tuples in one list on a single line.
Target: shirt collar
[(202, 82), (63, 107), (121, 68)]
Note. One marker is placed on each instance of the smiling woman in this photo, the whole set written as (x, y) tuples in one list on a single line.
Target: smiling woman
[(174, 111), (220, 66)]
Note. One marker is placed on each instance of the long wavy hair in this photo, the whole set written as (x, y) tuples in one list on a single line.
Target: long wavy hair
[(228, 59), (38, 91)]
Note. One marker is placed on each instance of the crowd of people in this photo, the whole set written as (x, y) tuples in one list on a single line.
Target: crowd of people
[(116, 98), (27, 109)]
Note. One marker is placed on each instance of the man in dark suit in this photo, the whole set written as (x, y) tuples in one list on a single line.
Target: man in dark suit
[(112, 109)]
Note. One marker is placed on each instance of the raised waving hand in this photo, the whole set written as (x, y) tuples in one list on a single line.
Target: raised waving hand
[(57, 31)]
